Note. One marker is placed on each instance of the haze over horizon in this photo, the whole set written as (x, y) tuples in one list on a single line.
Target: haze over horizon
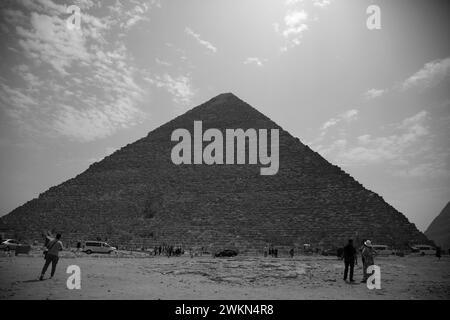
[(374, 102)]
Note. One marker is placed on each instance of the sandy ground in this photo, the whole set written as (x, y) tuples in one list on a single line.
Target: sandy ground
[(140, 276)]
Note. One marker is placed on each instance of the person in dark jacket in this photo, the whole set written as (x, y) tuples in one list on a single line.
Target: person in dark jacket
[(291, 252), (438, 253), (350, 259), (53, 247)]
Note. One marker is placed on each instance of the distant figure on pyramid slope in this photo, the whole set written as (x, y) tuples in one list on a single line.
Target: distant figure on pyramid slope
[(52, 255), (350, 259)]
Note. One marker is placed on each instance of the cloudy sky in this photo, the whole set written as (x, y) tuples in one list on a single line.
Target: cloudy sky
[(375, 102)]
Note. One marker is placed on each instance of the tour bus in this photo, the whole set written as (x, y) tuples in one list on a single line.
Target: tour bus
[(97, 247), (381, 249), (424, 249)]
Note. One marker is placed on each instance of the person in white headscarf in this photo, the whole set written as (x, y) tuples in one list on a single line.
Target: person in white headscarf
[(367, 255)]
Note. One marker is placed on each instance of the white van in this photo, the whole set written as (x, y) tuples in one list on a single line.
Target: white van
[(381, 249), (97, 247), (424, 249)]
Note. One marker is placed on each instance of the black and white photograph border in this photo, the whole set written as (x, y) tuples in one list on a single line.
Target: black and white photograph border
[(242, 152)]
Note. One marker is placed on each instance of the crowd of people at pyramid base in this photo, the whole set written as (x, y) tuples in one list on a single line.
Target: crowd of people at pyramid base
[(168, 250), (349, 254)]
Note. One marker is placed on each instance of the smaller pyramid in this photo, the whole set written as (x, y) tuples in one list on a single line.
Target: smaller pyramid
[(439, 229)]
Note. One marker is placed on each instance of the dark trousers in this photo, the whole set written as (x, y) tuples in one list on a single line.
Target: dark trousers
[(351, 264), (50, 259)]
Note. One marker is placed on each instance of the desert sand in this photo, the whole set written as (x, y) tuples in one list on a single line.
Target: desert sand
[(142, 276)]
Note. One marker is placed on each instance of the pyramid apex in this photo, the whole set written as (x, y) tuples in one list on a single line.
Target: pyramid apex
[(225, 96)]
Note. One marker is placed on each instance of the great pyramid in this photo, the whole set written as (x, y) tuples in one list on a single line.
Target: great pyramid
[(138, 196), (439, 229)]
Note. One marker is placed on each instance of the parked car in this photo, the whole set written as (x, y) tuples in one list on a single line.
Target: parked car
[(9, 244), (226, 253), (382, 250), (329, 252), (399, 252), (97, 247), (23, 248), (424, 249)]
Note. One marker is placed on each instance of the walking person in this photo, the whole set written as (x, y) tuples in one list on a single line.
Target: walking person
[(438, 253), (350, 259), (52, 255), (367, 255), (291, 252)]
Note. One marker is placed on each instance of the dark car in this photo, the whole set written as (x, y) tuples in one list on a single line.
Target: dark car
[(329, 252), (23, 248), (226, 253)]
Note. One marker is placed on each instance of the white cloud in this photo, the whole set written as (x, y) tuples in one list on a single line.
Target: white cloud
[(136, 14), (431, 74), (297, 20), (179, 87), (374, 93), (204, 43), (295, 24), (163, 63), (16, 102), (321, 3), (435, 169), (77, 84), (397, 148), (293, 2), (254, 60), (50, 41), (348, 116)]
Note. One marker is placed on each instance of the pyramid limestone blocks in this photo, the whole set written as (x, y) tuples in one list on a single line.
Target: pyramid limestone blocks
[(213, 152)]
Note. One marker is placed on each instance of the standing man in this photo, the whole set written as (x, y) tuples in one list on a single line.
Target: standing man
[(438, 253), (350, 259), (291, 252), (52, 255)]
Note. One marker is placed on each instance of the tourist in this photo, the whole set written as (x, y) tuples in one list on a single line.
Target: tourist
[(52, 255), (78, 246), (361, 250), (438, 253), (350, 259), (291, 252), (367, 255), (275, 252)]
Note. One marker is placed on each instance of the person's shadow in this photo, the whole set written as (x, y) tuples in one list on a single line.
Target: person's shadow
[(31, 281)]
